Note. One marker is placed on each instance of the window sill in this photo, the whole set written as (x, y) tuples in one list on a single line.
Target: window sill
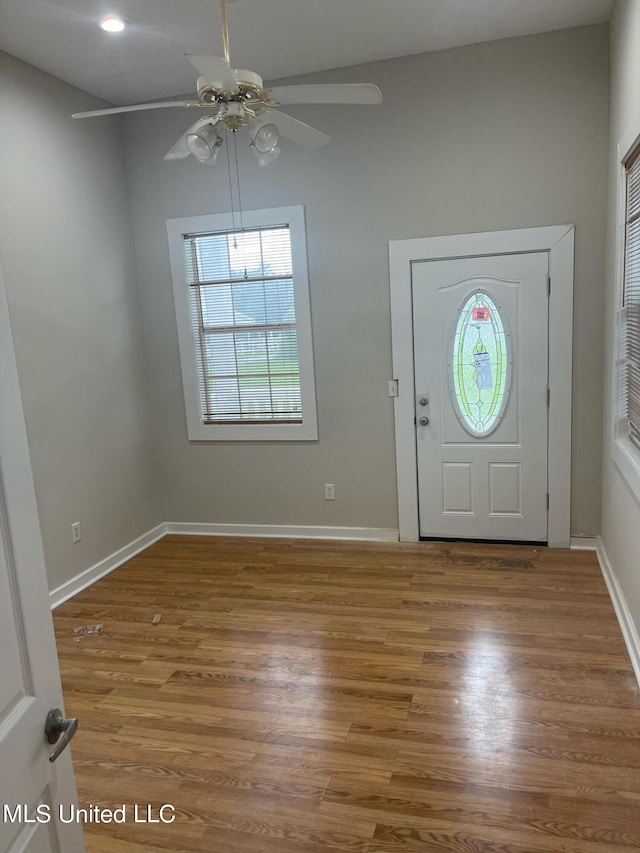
[(252, 432), (626, 457)]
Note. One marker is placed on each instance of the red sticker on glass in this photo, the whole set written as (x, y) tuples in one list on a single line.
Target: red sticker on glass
[(481, 313)]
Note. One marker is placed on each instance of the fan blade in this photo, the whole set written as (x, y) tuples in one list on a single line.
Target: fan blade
[(296, 131), (180, 150), (159, 106), (215, 71), (328, 93)]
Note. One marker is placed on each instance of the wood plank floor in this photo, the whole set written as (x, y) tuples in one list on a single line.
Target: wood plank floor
[(309, 696)]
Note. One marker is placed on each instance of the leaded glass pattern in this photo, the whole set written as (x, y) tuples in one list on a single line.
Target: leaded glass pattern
[(480, 365)]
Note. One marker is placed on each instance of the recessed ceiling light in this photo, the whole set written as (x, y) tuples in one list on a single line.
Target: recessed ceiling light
[(112, 24)]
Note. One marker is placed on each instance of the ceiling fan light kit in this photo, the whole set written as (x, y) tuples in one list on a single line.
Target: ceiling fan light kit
[(205, 143), (264, 142), (236, 99), (265, 137)]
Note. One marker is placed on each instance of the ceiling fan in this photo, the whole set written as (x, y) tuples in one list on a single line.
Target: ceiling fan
[(236, 98)]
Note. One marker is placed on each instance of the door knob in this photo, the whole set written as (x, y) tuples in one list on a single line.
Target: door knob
[(59, 730), (423, 421)]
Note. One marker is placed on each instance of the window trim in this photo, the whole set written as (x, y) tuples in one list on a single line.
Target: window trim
[(197, 431), (625, 454)]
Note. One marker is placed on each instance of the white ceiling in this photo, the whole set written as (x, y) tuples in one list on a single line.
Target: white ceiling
[(276, 38)]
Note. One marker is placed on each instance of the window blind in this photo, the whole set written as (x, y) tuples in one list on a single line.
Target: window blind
[(244, 325), (631, 296)]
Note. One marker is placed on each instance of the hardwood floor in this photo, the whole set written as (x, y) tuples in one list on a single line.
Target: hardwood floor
[(308, 696)]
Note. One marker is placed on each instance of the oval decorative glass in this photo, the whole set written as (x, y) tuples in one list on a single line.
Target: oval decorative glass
[(480, 365)]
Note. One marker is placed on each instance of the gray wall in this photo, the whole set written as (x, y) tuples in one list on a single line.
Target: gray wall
[(65, 244), (501, 135), (620, 510)]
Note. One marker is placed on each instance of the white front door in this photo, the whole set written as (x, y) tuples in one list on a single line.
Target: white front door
[(480, 329), (31, 787)]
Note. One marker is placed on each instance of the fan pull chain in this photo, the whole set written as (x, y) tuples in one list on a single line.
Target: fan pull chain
[(235, 151), (233, 216)]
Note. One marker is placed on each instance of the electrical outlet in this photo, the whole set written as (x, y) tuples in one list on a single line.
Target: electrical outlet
[(76, 533), (329, 492)]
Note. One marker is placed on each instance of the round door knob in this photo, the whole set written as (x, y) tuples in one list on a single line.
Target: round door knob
[(423, 421)]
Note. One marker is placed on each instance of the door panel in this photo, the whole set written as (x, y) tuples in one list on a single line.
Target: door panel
[(30, 680), (457, 487), (480, 330), (39, 837), (505, 492)]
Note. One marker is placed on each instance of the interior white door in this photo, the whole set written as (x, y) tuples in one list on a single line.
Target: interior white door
[(481, 328), (29, 682)]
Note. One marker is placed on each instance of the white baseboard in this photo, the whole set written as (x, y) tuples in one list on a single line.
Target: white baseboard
[(89, 576), (627, 624), (584, 543), (287, 531)]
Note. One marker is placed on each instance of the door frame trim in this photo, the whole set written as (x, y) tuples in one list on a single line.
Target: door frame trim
[(558, 241)]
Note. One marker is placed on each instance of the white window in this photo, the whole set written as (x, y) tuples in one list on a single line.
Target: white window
[(244, 325), (626, 449), (631, 299)]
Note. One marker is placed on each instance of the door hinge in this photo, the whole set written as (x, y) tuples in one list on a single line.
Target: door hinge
[(547, 500), (548, 285), (548, 397)]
